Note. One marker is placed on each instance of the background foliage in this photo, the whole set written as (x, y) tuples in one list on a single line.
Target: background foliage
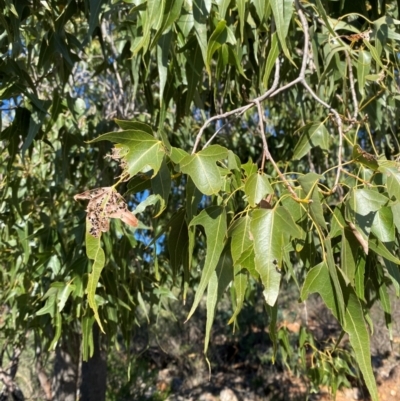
[(256, 142)]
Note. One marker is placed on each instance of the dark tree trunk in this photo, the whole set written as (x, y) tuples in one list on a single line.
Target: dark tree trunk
[(94, 371), (66, 369)]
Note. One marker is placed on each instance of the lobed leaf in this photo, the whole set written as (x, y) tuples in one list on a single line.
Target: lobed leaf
[(202, 168), (213, 219), (271, 230)]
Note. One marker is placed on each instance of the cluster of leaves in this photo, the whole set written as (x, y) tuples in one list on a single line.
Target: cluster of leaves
[(315, 85)]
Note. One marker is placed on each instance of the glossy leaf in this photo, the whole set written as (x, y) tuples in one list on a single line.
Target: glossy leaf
[(213, 219), (240, 233), (141, 151), (363, 69), (318, 280), (161, 185), (309, 184), (272, 56), (217, 39), (282, 11), (349, 253), (240, 286), (96, 253), (201, 11), (257, 186), (203, 170), (271, 229), (219, 280), (361, 209), (392, 174), (382, 226)]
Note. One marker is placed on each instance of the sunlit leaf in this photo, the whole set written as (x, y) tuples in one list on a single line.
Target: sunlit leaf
[(318, 280), (142, 151), (282, 11), (213, 219), (271, 229), (95, 252), (203, 170), (257, 186)]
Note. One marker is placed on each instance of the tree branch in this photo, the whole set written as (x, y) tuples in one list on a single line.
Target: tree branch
[(273, 91), (267, 154)]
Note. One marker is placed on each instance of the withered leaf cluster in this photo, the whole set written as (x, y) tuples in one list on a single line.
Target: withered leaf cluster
[(105, 203)]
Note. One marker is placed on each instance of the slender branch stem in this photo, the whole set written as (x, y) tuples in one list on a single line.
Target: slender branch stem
[(274, 90), (266, 154)]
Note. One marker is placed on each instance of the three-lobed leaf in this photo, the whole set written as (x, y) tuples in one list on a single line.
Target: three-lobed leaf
[(213, 219), (271, 230), (202, 168)]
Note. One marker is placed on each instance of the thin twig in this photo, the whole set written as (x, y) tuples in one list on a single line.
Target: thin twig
[(273, 91), (267, 155), (240, 110), (338, 119), (215, 134)]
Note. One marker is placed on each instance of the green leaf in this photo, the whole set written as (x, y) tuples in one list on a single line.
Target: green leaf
[(240, 285), (177, 155), (257, 186), (282, 11), (172, 10), (178, 240), (386, 306), (163, 48), (361, 209), (247, 260), (382, 226), (363, 69), (48, 307), (135, 125), (87, 337), (201, 11), (261, 8), (194, 69), (314, 134), (96, 253), (219, 280), (318, 280), (249, 168), (161, 185), (271, 230), (240, 233), (185, 23), (94, 13), (272, 56), (141, 151), (202, 168), (349, 252), (390, 169), (222, 7), (217, 39), (57, 324), (374, 54), (309, 184), (241, 5), (63, 295), (150, 201), (380, 249), (213, 219)]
